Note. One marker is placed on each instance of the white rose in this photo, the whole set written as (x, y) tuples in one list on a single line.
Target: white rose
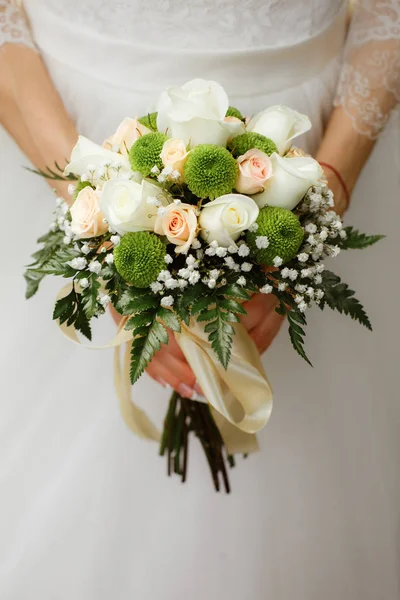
[(195, 113), (224, 219), (281, 124), (291, 179), (129, 130), (88, 154), (125, 206)]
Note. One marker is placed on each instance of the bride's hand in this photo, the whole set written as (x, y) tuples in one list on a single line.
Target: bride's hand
[(170, 368)]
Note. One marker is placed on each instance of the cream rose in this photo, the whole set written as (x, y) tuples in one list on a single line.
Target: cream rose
[(131, 206), (280, 123), (87, 218), (88, 155), (179, 224), (196, 113), (174, 154), (224, 219), (129, 130), (255, 168), (291, 179)]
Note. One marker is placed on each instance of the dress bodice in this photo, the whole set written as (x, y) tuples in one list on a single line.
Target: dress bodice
[(211, 24)]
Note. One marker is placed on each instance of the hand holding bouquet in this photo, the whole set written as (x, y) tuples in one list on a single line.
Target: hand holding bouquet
[(180, 217)]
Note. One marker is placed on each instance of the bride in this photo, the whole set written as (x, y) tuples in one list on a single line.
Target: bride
[(86, 510)]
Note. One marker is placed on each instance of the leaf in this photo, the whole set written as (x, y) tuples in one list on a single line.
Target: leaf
[(135, 300), (33, 280), (202, 304), (340, 297), (145, 347), (143, 318), (82, 324), (235, 291), (297, 334), (232, 305), (207, 315), (220, 336), (89, 296), (182, 310), (357, 241), (56, 174), (169, 318), (65, 307), (57, 263)]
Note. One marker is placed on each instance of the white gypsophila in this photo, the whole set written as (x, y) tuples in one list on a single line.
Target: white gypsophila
[(215, 273), (115, 239), (335, 251), (266, 289), (323, 235), (190, 260), (262, 242), (253, 228), (164, 275), (210, 251), (319, 294), (67, 240), (199, 254), (302, 306), (95, 267), (211, 283), (243, 250), (282, 285), (196, 245), (184, 273), (156, 287), (71, 189), (168, 259), (182, 283), (311, 228), (78, 263), (246, 267), (293, 274), (167, 301), (194, 277), (241, 281), (320, 268), (277, 261), (232, 249), (84, 283), (153, 201), (104, 300), (299, 298), (231, 264), (53, 226), (221, 252), (162, 211), (171, 284), (311, 240), (85, 249), (318, 279), (155, 170), (285, 273), (310, 292), (303, 257), (306, 273), (300, 288), (343, 234), (175, 175), (315, 256), (109, 259)]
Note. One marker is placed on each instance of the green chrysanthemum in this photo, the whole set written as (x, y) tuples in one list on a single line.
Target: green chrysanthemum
[(145, 153), (210, 171), (149, 121), (234, 112), (242, 143), (284, 233), (79, 187), (139, 258)]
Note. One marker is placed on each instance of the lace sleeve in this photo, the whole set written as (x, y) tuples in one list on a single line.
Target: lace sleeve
[(14, 27), (369, 84)]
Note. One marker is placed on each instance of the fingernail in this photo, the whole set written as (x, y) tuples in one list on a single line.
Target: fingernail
[(187, 392), (163, 383)]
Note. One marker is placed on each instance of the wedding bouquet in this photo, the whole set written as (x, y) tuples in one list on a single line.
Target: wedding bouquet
[(177, 219)]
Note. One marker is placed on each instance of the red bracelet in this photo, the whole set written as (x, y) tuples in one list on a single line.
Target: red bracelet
[(340, 179)]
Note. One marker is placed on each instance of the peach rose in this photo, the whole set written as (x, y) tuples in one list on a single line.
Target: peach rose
[(87, 218), (179, 224), (126, 135), (255, 167), (174, 154)]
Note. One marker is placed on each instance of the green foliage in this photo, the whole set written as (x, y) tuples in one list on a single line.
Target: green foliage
[(284, 232), (357, 241), (339, 297), (145, 153), (51, 242), (210, 171), (234, 112), (296, 332), (70, 310), (80, 186), (240, 144), (89, 297), (149, 121), (139, 258), (56, 174), (56, 264)]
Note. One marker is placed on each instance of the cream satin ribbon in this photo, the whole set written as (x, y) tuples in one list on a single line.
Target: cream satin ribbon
[(240, 396)]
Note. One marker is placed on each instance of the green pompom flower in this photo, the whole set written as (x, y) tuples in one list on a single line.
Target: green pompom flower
[(284, 233), (149, 121), (145, 153), (210, 171), (234, 112), (139, 258), (242, 143), (80, 186)]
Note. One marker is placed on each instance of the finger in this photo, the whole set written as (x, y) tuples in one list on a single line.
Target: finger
[(264, 333), (168, 370), (173, 347), (257, 308)]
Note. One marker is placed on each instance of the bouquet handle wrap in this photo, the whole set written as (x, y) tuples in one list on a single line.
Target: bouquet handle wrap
[(240, 396)]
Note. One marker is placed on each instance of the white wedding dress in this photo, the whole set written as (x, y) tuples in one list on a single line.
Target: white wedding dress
[(86, 509)]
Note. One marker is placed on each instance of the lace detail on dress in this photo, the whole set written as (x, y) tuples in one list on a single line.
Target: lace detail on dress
[(369, 84), (14, 26)]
